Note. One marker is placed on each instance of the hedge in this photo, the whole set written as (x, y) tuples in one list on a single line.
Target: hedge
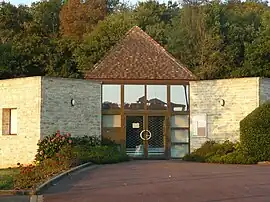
[(255, 133)]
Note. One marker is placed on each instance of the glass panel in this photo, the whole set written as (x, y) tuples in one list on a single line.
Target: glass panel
[(179, 121), (134, 97), (178, 98), (111, 121), (179, 150), (157, 128), (13, 121), (111, 96), (134, 143), (157, 97), (179, 136)]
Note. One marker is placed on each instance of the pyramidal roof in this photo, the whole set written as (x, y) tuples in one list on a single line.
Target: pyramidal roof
[(139, 57)]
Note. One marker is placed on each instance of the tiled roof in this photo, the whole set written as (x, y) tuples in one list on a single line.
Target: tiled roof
[(139, 57)]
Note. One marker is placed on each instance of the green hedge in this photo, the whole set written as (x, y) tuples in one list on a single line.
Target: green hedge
[(255, 133), (226, 152)]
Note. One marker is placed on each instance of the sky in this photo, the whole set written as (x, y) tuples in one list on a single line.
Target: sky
[(28, 2)]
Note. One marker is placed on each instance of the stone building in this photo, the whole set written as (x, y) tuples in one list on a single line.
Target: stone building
[(138, 95), (37, 106)]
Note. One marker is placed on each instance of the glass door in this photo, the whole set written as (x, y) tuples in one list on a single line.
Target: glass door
[(155, 134), (135, 145), (145, 136)]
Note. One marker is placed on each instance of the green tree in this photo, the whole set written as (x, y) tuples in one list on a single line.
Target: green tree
[(13, 20), (107, 33), (45, 16)]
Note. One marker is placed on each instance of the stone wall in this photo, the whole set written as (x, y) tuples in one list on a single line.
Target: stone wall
[(25, 95), (84, 118), (264, 90), (241, 96)]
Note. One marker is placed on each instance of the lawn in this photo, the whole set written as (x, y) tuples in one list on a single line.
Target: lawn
[(6, 177)]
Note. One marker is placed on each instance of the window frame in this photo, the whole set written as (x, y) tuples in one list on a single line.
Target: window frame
[(8, 131)]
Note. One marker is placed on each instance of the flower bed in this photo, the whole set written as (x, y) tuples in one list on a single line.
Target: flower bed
[(58, 153)]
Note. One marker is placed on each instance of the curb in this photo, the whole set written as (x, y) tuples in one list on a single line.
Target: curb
[(264, 163), (46, 184), (53, 180), (14, 192)]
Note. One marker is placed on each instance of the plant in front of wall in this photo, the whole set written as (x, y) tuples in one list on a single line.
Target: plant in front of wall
[(226, 152), (51, 145), (255, 133)]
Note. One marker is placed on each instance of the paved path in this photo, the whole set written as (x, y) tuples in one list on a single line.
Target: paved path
[(165, 181)]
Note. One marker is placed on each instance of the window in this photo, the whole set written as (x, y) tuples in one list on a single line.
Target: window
[(156, 97), (179, 98), (111, 121), (9, 122), (134, 97), (111, 97)]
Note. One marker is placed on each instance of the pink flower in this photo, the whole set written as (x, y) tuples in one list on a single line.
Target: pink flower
[(63, 138), (68, 135), (70, 141), (58, 135)]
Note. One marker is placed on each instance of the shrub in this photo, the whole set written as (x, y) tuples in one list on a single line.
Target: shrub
[(86, 141), (100, 155), (255, 133), (50, 145), (208, 149), (226, 152)]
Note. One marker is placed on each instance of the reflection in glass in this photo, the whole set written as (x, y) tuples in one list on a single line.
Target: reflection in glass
[(157, 97), (179, 136), (181, 121), (134, 97), (178, 98), (111, 121), (111, 96), (179, 150)]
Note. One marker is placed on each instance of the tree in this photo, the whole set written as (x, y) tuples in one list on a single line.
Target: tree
[(45, 16), (61, 61), (13, 20), (107, 33), (78, 18)]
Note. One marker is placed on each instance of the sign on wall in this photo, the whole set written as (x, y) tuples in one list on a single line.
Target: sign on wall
[(199, 125)]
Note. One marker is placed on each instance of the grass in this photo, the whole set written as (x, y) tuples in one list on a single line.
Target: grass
[(6, 178)]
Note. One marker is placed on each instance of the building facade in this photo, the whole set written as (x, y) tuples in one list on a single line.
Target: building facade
[(145, 97), (218, 106), (34, 107), (138, 95)]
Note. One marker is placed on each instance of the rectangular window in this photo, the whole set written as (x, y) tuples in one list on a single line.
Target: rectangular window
[(9, 122)]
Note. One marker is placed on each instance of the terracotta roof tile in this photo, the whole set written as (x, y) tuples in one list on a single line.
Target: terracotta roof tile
[(139, 57)]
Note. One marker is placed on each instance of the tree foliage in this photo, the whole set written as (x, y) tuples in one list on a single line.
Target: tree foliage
[(64, 38)]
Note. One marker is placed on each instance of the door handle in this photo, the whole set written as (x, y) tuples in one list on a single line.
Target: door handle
[(148, 137)]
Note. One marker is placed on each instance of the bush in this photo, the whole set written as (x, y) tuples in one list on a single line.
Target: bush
[(255, 133), (57, 153), (86, 141), (210, 148), (100, 155), (50, 145), (226, 152)]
